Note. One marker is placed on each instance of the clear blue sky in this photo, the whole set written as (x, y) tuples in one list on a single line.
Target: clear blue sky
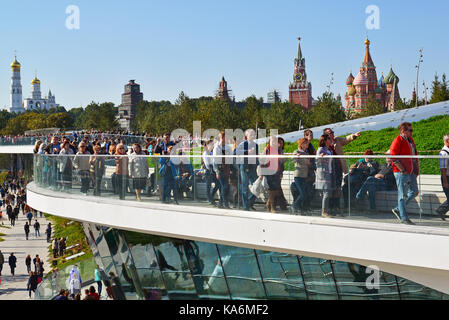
[(169, 46)]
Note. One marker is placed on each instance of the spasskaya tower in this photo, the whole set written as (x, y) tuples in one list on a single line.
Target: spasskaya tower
[(300, 91)]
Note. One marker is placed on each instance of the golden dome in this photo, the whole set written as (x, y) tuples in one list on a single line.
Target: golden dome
[(36, 81), (15, 64), (367, 42)]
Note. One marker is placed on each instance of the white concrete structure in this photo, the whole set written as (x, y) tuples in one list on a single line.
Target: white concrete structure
[(378, 122), (417, 253), (16, 88)]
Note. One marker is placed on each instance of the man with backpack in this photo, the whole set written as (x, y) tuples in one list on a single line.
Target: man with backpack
[(37, 227), (444, 168)]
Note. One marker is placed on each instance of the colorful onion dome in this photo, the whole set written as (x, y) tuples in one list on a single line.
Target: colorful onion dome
[(360, 79), (391, 76), (382, 82), (350, 79), (351, 91)]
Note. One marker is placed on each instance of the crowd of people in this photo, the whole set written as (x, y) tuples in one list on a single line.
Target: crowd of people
[(327, 176)]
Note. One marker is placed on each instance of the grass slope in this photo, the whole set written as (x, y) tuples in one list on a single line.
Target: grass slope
[(428, 135)]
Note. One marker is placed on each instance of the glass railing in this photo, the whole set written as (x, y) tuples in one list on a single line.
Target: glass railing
[(341, 187), (31, 140), (58, 279)]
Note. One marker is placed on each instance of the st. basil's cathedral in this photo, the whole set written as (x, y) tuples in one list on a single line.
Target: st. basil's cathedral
[(365, 84)]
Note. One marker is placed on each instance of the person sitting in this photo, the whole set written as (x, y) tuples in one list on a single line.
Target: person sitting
[(383, 180), (358, 174), (185, 174)]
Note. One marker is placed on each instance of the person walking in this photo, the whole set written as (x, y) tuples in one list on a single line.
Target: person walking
[(37, 227), (405, 170), (27, 229), (48, 232), (28, 263), (29, 217), (97, 279), (444, 168), (138, 170), (81, 163), (55, 247), (302, 166), (74, 281), (12, 261), (32, 283), (222, 168), (2, 261)]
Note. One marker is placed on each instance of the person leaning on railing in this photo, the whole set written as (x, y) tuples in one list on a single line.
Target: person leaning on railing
[(302, 169), (138, 170), (97, 169), (444, 168), (325, 173), (121, 170), (81, 163)]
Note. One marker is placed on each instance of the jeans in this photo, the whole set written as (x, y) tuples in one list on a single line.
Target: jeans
[(122, 185), (211, 177), (444, 207), (168, 184), (99, 287), (248, 177), (406, 183), (301, 199), (37, 233), (224, 188), (326, 199), (372, 185), (85, 181)]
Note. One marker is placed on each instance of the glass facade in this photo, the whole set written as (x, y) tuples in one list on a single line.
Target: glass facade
[(142, 266)]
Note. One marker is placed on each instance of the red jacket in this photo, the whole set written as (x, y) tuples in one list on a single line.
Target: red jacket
[(401, 146)]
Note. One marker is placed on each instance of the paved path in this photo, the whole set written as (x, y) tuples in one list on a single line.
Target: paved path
[(14, 288)]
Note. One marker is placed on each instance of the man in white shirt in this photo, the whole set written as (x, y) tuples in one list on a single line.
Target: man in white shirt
[(444, 168)]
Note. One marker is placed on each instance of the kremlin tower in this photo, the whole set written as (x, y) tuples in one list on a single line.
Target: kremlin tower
[(365, 84), (300, 91), (16, 88)]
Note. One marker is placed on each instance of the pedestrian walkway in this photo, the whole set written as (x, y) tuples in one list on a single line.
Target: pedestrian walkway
[(14, 288)]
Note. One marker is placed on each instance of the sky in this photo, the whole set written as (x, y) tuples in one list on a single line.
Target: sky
[(174, 46)]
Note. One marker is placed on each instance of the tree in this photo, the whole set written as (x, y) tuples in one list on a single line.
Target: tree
[(283, 116), (372, 107), (327, 110), (60, 120), (100, 116), (252, 113), (440, 91)]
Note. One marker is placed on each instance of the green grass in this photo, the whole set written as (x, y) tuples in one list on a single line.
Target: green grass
[(428, 135), (75, 234)]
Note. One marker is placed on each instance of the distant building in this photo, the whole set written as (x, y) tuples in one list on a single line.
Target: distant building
[(365, 84), (223, 92), (36, 102), (300, 91), (16, 88), (273, 97), (127, 110)]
